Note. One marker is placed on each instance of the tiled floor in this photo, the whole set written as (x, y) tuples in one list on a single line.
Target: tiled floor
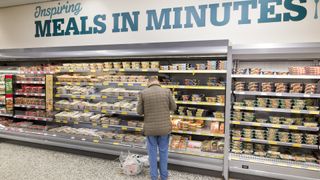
[(27, 163)]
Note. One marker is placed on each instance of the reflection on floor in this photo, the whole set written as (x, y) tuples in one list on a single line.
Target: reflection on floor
[(27, 163)]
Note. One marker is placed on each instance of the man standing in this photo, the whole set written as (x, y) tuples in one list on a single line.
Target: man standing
[(155, 103)]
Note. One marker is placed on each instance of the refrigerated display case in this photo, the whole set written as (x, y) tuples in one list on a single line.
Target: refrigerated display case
[(275, 114), (95, 93)]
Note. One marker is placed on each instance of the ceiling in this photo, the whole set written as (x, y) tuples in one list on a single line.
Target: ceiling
[(8, 3)]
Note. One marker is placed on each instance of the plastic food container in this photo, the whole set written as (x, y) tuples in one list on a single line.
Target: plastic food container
[(259, 134), (211, 99), (310, 88), (310, 124), (139, 139), (237, 115), (311, 139), (267, 72), (218, 114), (185, 97), (284, 136), (200, 66), (272, 134), (154, 65), (191, 111), (255, 71), (119, 137), (196, 97), (241, 71), (262, 102), (126, 65), (132, 123), (288, 121), (274, 103), (253, 86), (274, 120), (236, 132), (201, 112), (281, 87), (298, 121), (250, 103), (296, 88), (247, 148), (247, 133), (117, 65), (238, 103), (260, 120), (191, 82), (312, 108), (297, 138), (239, 86), (220, 99), (267, 86)]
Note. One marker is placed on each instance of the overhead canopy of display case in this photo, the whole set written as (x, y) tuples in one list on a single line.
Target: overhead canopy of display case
[(205, 48), (297, 51)]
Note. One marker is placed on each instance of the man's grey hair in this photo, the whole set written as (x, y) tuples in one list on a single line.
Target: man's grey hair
[(153, 79)]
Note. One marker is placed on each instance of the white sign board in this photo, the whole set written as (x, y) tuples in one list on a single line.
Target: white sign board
[(100, 22)]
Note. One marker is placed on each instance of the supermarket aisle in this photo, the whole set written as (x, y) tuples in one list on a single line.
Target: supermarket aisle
[(20, 162)]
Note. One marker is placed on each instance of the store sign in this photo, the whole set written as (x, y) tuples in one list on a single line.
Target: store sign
[(166, 18), (97, 22)]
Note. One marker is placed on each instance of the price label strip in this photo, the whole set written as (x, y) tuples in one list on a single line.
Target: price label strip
[(272, 142)]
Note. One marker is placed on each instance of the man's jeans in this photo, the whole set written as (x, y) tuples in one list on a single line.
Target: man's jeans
[(153, 143)]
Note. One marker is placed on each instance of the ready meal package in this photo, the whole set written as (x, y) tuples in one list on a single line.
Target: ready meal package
[(49, 93)]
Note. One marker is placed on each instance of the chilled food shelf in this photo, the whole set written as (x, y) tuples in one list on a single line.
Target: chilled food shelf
[(107, 147), (78, 71), (112, 84), (78, 83), (124, 128), (4, 71), (198, 132), (198, 118), (106, 126), (32, 118), (30, 106), (200, 103), (105, 70), (30, 82), (132, 70), (31, 94), (194, 71), (293, 111), (300, 95), (36, 72), (276, 76), (120, 127), (279, 126), (6, 115), (69, 137), (126, 84), (201, 154), (97, 97), (307, 146), (194, 87), (128, 113), (276, 162), (78, 96)]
